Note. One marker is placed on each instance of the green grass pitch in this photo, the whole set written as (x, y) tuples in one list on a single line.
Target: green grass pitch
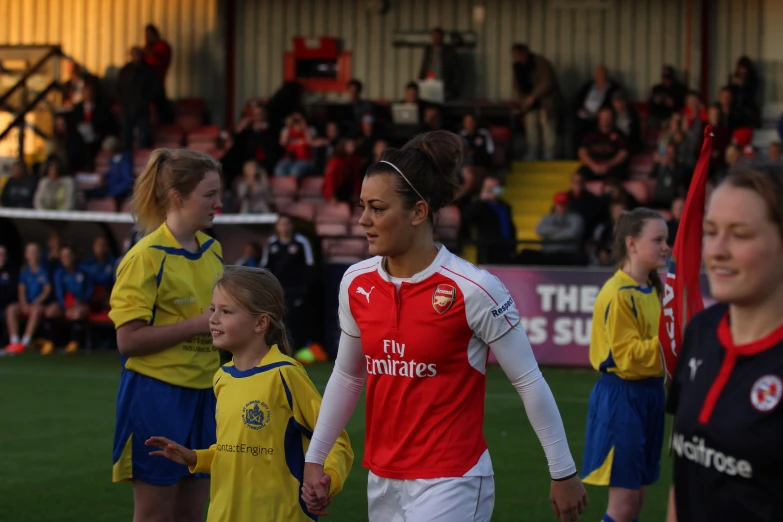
[(58, 419)]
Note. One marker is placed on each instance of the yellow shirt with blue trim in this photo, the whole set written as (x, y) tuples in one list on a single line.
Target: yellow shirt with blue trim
[(265, 418), (624, 338), (161, 283)]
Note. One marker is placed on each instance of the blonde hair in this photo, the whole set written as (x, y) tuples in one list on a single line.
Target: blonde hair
[(258, 292), (177, 170)]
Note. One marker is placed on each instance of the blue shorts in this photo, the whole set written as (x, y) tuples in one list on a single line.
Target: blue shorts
[(625, 425), (147, 407)]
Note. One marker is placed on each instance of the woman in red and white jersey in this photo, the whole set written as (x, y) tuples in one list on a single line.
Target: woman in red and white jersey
[(417, 325)]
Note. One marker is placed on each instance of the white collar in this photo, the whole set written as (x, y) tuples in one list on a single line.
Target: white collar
[(440, 259)]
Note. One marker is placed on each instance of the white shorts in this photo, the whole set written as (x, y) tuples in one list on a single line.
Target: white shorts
[(460, 499)]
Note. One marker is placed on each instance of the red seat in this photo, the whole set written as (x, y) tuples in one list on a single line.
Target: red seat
[(102, 205), (330, 229), (638, 189), (448, 232), (333, 213), (345, 248), (285, 186), (206, 147), (311, 187), (302, 209), (204, 133), (596, 187), (500, 133), (99, 317), (641, 165), (358, 231), (126, 206), (282, 203)]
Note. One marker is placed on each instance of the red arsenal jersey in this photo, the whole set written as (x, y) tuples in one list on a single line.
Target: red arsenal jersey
[(425, 342)]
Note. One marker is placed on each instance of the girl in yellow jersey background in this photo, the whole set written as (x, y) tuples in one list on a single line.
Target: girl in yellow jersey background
[(266, 410), (160, 308), (625, 421)]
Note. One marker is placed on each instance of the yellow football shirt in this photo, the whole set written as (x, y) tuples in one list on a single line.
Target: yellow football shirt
[(265, 418), (161, 283), (624, 337)]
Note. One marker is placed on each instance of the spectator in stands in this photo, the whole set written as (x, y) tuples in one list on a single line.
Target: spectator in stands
[(538, 93), (137, 87), (8, 290), (477, 160), (34, 291), (744, 85), (667, 97), (93, 121), (251, 255), (360, 106), (603, 236), (333, 134), (730, 117), (733, 159), (774, 155), (492, 219), (561, 233), (73, 87), (604, 151), (581, 201), (254, 190), (343, 175), (440, 62), (289, 257), (591, 98), (73, 290), (100, 269), (721, 139), (56, 191), (686, 151), (253, 140), (614, 191), (19, 189), (66, 145), (694, 118), (670, 177), (627, 121), (157, 54), (297, 140), (51, 255), (369, 133), (117, 181), (433, 119), (412, 97), (673, 224)]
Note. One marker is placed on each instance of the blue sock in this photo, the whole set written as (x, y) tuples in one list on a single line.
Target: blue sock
[(607, 518)]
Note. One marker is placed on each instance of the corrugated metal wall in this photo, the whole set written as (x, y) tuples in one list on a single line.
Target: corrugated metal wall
[(737, 28), (633, 38), (99, 33)]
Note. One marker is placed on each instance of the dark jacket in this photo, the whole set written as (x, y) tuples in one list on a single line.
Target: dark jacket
[(137, 87), (19, 192), (452, 82)]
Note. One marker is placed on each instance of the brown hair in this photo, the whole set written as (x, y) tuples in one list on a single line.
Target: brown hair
[(431, 162), (259, 292), (630, 224), (178, 170), (767, 184)]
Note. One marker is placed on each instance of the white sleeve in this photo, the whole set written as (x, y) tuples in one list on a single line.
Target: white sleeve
[(347, 322), (515, 356), (340, 398)]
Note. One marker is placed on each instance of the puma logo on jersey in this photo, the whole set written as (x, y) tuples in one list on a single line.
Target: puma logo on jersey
[(694, 364), (365, 293)]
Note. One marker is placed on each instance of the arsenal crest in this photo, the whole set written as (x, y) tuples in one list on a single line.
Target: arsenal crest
[(443, 298)]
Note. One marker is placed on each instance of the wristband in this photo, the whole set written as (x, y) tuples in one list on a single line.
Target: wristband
[(575, 473)]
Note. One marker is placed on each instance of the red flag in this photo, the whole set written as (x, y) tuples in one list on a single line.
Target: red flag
[(682, 297)]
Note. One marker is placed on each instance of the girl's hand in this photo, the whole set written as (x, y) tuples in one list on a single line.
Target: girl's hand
[(172, 451)]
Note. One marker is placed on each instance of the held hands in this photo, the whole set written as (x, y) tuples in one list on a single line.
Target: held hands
[(172, 451), (315, 489), (568, 498)]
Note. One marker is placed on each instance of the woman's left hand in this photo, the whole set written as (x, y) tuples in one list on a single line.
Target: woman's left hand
[(568, 498)]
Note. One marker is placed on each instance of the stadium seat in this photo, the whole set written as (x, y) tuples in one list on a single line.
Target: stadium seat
[(358, 230), (302, 209), (284, 186), (596, 187), (641, 165), (102, 205), (206, 147), (205, 133), (638, 189), (345, 248), (330, 229), (311, 187), (448, 217), (282, 203), (126, 206), (169, 136), (102, 161), (337, 213), (442, 232)]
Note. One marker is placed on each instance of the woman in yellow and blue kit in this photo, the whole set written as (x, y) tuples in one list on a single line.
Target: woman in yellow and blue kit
[(625, 421), (160, 308)]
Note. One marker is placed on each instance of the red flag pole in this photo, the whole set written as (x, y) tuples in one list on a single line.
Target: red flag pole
[(682, 297)]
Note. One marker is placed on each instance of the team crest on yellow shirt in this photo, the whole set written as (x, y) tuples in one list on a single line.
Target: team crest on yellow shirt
[(443, 298), (255, 415)]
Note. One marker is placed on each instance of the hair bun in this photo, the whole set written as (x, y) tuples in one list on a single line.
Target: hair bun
[(445, 152)]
